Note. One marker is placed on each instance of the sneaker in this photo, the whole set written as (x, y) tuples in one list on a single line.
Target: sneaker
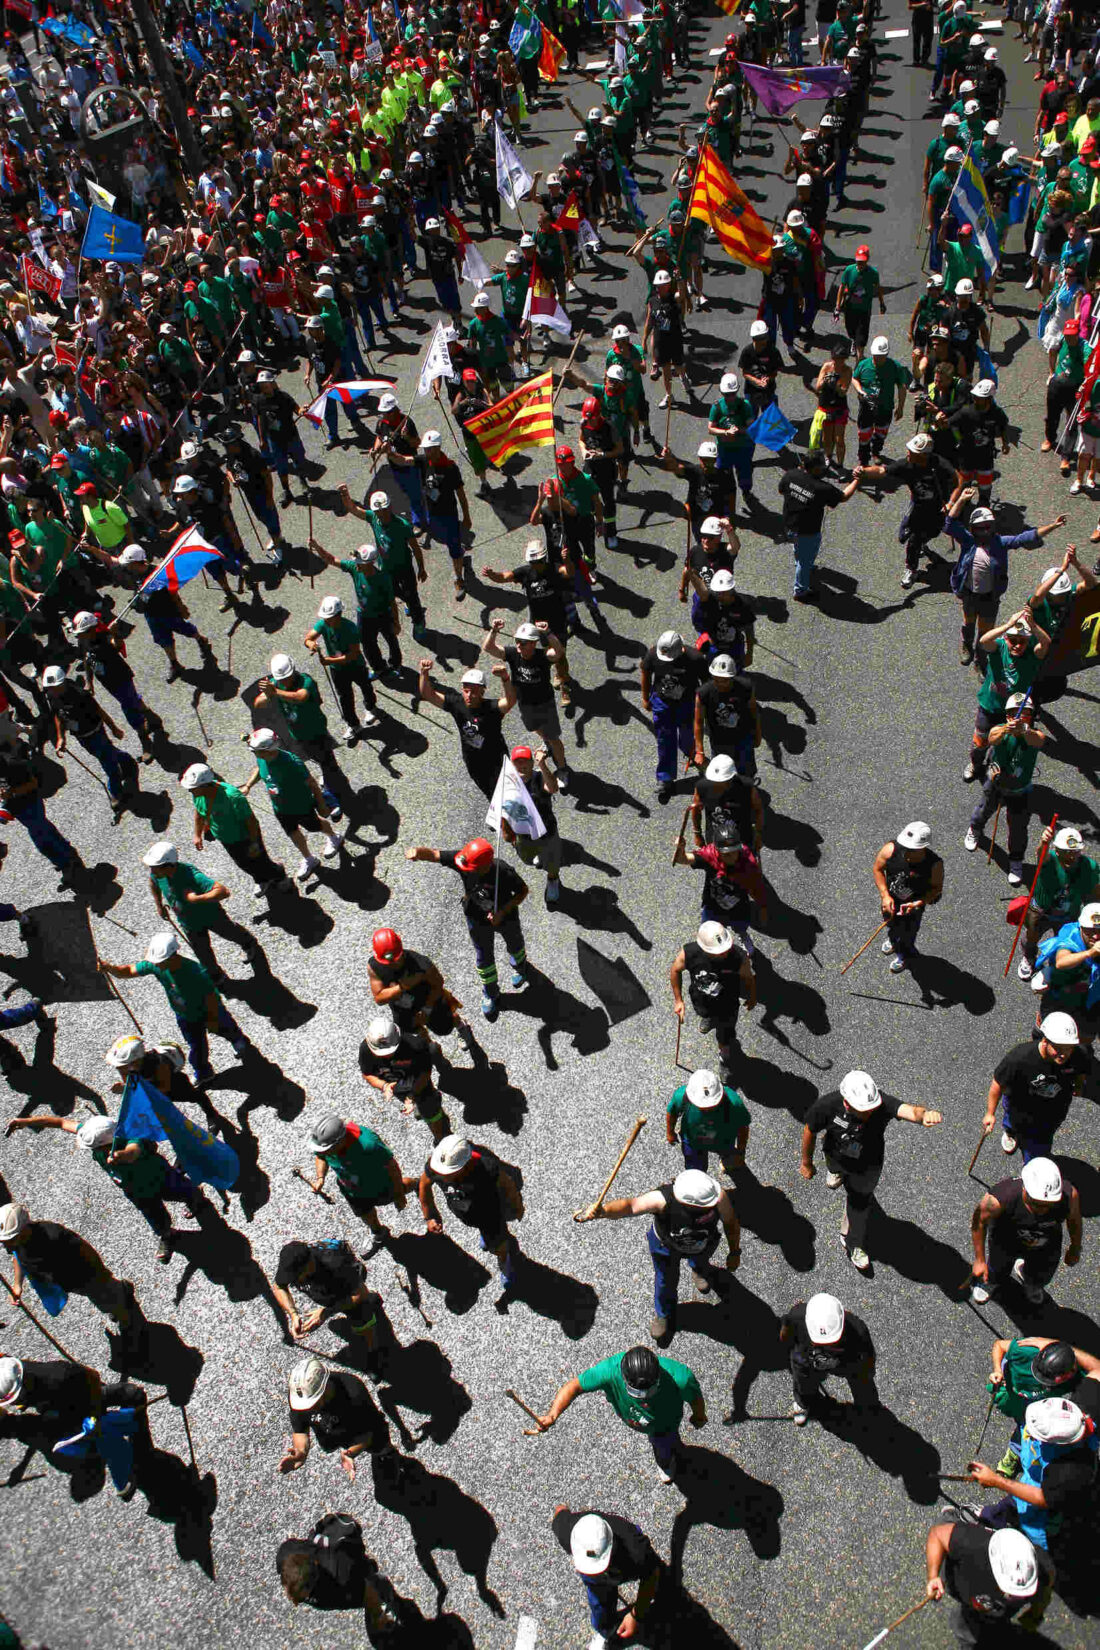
[(1016, 873), (833, 1180), (896, 964), (970, 771), (663, 1476), (658, 1328), (860, 1259), (966, 653), (369, 719), (1009, 1464), (563, 777), (664, 792), (26, 926), (1008, 1142), (979, 1294), (666, 400), (970, 840), (1024, 969), (1075, 486), (1030, 283), (490, 1004), (553, 890), (332, 846), (164, 1251), (907, 578), (598, 1642), (347, 733), (701, 301), (887, 947), (612, 541), (276, 555), (1034, 1292), (799, 1415), (519, 978), (305, 866)]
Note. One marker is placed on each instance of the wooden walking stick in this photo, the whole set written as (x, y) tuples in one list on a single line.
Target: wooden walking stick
[(977, 1455), (559, 386), (190, 1444), (863, 948), (24, 1308), (679, 1034), (528, 1432), (977, 1149), (680, 839), (587, 1214), (202, 724), (878, 1638), (993, 838), (68, 751), (318, 1191), (309, 507), (111, 986), (1030, 894)]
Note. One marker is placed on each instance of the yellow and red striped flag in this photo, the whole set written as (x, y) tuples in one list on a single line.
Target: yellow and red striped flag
[(717, 200), (730, 7), (525, 418), (551, 56)]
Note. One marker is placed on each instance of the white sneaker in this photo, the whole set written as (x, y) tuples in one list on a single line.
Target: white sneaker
[(571, 286), (703, 302), (1035, 1292), (1075, 485), (970, 840), (305, 866), (1008, 1142), (860, 1259), (1024, 969), (598, 1642), (1029, 284), (1015, 876), (347, 733), (369, 719), (833, 1180), (887, 947), (332, 846), (979, 1294), (665, 1477), (665, 399), (970, 771), (799, 1415), (907, 578)]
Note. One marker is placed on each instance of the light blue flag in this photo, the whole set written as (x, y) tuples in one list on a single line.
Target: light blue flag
[(970, 204), (112, 237), (771, 428), (986, 369), (631, 191), (77, 34), (46, 206), (1019, 201), (194, 56), (147, 1114)]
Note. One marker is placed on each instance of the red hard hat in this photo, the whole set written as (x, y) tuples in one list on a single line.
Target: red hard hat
[(862, 254), (591, 408), (5, 817), (469, 375), (477, 855), (58, 419), (731, 40), (564, 455), (16, 539), (386, 945), (522, 753)]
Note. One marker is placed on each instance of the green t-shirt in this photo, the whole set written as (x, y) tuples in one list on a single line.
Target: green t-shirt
[(728, 410), (881, 376), (1015, 761), (51, 538), (143, 1178), (1005, 675), (187, 986), (960, 263), (489, 337), (662, 1411), (287, 780), (174, 883), (1062, 890), (305, 717), (709, 1128), (581, 491), (394, 540), (363, 1165), (227, 813), (861, 281), (513, 295), (373, 591), (337, 636), (1070, 361), (940, 187)]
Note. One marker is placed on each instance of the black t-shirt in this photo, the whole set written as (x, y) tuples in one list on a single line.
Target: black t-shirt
[(477, 891), (930, 485), (705, 563), (726, 715), (965, 327), (335, 1277), (674, 680), (685, 1228), (968, 1574), (55, 1255), (105, 663), (413, 997), (854, 1139), (714, 983), (1038, 1092), (544, 588), (339, 1574), (405, 1066), (632, 1554), (479, 728), (728, 623), (762, 363), (1068, 1484), (440, 256), (854, 1346), (347, 1415), (76, 709), (530, 677), (248, 469), (1020, 1228), (59, 1389), (442, 485), (978, 428), (709, 492), (277, 413), (805, 500), (474, 1199), (729, 804)]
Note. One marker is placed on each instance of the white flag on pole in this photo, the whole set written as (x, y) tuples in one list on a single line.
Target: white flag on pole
[(100, 196), (511, 801), (437, 362), (513, 179)]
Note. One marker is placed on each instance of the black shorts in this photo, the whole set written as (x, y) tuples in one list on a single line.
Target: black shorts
[(295, 822), (668, 350)]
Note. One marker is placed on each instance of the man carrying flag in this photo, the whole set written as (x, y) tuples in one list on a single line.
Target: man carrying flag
[(717, 199), (520, 810), (525, 418), (158, 598)]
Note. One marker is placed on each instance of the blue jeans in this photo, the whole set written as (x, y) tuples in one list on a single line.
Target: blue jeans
[(131, 704), (1031, 1145), (408, 479), (279, 458), (666, 1273), (21, 1016), (449, 532), (694, 1158), (794, 45), (739, 460), (45, 836), (197, 1040), (119, 766), (806, 548), (508, 1265), (266, 514), (674, 726), (352, 364), (781, 317), (840, 176), (446, 293), (603, 1604), (935, 251), (937, 78)]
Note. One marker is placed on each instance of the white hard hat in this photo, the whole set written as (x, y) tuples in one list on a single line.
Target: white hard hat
[(197, 774), (670, 644), (366, 552), (534, 550), (324, 293), (1042, 1180), (824, 1319), (722, 581), (282, 666), (860, 1091), (331, 607), (1054, 1420), (694, 1187), (430, 438), (1013, 1562), (481, 301), (53, 676), (188, 450), (804, 181), (1060, 1029), (616, 374), (383, 1036), (971, 106), (977, 40), (432, 223), (125, 1051), (714, 938), (964, 288), (721, 769), (387, 403), (759, 329), (992, 127), (982, 518), (730, 382), (132, 556), (708, 449), (526, 632), (262, 739), (1069, 837), (307, 1383), (710, 528), (161, 853), (590, 1545), (1062, 585), (526, 242), (513, 256), (1090, 915), (162, 946), (950, 118), (11, 1381), (315, 324), (954, 153), (14, 1219), (880, 345), (83, 622), (984, 388), (915, 835), (95, 1133), (704, 1089), (795, 220), (722, 666), (619, 333), (991, 57), (185, 484), (473, 678), (918, 443), (662, 278), (451, 1154)]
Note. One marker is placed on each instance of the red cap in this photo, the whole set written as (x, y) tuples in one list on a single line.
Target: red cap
[(16, 539), (58, 419), (58, 461), (522, 753), (965, 231), (386, 945), (1089, 145), (862, 254), (477, 855), (469, 375), (258, 217), (87, 488), (564, 455), (591, 408), (1071, 328), (189, 286)]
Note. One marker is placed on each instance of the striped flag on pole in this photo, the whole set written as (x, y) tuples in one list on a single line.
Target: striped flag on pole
[(525, 418)]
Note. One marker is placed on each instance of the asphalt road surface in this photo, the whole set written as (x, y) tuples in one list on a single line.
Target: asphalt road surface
[(785, 1540)]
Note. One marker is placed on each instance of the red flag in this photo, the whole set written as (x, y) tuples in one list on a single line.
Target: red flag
[(551, 56), (39, 279), (570, 216), (64, 356)]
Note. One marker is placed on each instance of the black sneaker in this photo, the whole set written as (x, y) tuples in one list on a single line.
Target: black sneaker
[(664, 792)]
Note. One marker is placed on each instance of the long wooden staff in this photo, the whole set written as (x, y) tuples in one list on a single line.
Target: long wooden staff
[(588, 1214)]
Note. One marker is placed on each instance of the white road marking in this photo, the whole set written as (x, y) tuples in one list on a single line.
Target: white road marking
[(527, 1634)]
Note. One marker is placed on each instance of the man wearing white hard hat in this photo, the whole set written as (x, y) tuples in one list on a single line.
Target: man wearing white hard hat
[(223, 815), (57, 1263), (297, 697), (1012, 652), (1068, 972), (335, 641), (853, 1120), (880, 384), (980, 576), (1069, 879), (909, 878), (1014, 747), (480, 1193), (296, 798), (671, 673), (1037, 1082), (825, 1339), (1053, 1500), (996, 1577), (1055, 596), (1023, 1221), (192, 997), (688, 1214), (712, 1117), (609, 1553), (727, 423), (719, 973), (197, 906)]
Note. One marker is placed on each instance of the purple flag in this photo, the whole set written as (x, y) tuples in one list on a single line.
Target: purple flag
[(780, 89)]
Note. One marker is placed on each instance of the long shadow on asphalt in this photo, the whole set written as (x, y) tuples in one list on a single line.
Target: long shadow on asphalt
[(225, 1257), (720, 1493), (769, 1213), (485, 1094), (418, 1377), (155, 1354), (437, 1260), (443, 1518), (916, 1254), (553, 1294)]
